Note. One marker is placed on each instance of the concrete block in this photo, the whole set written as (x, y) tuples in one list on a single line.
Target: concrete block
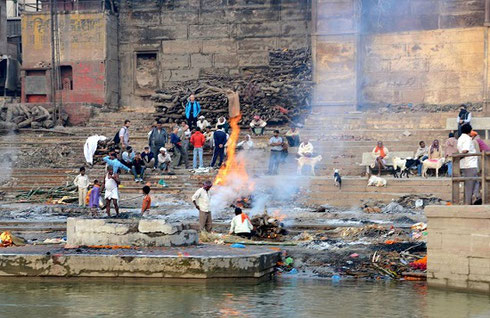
[(250, 15), (225, 60), (257, 44), (212, 15), (184, 75), (258, 29), (253, 59), (156, 226), (209, 31), (201, 60), (109, 228), (289, 28), (176, 17), (175, 61), (219, 46), (182, 46), (293, 43), (479, 286), (295, 14)]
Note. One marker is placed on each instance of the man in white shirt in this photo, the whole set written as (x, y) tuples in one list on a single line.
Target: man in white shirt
[(276, 150), (241, 225), (305, 148), (124, 134), (202, 200), (468, 165), (82, 182)]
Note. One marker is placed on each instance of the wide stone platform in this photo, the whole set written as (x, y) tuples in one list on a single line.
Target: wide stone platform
[(132, 232), (196, 262)]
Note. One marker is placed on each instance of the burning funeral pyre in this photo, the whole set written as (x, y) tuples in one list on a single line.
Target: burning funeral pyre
[(268, 226)]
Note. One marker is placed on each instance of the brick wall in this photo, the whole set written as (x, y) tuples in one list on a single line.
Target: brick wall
[(458, 247), (190, 38)]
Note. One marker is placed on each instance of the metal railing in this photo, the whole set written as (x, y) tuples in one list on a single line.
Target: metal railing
[(484, 179)]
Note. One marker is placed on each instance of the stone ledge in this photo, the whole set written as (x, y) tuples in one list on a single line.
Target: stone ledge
[(141, 233)]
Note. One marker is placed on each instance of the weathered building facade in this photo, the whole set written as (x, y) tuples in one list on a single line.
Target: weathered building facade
[(85, 57)]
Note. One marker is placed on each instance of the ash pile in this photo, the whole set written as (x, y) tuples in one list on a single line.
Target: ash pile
[(15, 116), (278, 93)]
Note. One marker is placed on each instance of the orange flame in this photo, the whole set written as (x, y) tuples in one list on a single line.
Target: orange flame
[(234, 167), (278, 215)]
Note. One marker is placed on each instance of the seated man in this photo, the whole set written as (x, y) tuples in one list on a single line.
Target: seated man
[(148, 158), (164, 160), (292, 135), (305, 149), (202, 123), (240, 225), (379, 153), (128, 157), (114, 163), (138, 168), (257, 125), (209, 138), (421, 154), (246, 144)]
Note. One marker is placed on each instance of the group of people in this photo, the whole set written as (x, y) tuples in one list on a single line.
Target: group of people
[(468, 142), (110, 187)]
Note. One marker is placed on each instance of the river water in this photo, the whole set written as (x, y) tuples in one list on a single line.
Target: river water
[(283, 297)]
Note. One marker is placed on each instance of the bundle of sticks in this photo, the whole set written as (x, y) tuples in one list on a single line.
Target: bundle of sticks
[(267, 226), (15, 116), (279, 92)]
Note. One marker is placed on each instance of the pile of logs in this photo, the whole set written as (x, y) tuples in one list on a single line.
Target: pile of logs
[(15, 116), (267, 226), (280, 92)]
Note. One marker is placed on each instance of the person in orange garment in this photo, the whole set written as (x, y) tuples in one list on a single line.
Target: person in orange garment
[(146, 200)]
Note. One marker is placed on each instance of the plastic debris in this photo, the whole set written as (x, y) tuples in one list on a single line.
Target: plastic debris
[(289, 261), (237, 245)]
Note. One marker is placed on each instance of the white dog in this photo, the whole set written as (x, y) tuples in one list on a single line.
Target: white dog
[(375, 181), (432, 164), (308, 161)]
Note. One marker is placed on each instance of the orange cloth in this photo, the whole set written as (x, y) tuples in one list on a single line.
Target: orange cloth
[(381, 151), (146, 203), (244, 217), (473, 133), (87, 197)]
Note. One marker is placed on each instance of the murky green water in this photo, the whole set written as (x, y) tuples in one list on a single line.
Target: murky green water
[(280, 298)]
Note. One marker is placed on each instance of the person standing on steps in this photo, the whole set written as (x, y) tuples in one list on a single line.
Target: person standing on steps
[(202, 200), (82, 182), (220, 138), (197, 140), (111, 186), (184, 135), (192, 111), (178, 150), (469, 165), (124, 134), (158, 139), (464, 117), (275, 158)]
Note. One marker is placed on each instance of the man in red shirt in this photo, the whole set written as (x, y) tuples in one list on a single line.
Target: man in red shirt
[(197, 140)]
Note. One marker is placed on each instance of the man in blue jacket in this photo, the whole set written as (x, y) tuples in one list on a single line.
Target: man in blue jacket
[(219, 138), (192, 111), (113, 162)]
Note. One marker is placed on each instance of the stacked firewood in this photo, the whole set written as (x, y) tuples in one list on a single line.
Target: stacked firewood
[(267, 226), (279, 93), (14, 116)]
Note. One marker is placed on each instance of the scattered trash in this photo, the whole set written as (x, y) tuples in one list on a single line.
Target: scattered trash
[(162, 183), (237, 245), (293, 271), (288, 261), (419, 203)]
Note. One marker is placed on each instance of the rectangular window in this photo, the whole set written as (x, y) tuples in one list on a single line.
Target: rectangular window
[(66, 78)]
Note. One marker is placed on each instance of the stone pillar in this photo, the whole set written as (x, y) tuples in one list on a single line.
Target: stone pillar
[(335, 37)]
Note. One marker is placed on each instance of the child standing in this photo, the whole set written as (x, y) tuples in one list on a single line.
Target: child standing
[(93, 202), (146, 200), (82, 182)]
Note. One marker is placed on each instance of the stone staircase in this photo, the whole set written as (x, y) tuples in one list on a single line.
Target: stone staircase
[(340, 138)]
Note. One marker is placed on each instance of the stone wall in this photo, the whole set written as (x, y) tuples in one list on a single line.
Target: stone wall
[(188, 39), (376, 53), (458, 247)]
